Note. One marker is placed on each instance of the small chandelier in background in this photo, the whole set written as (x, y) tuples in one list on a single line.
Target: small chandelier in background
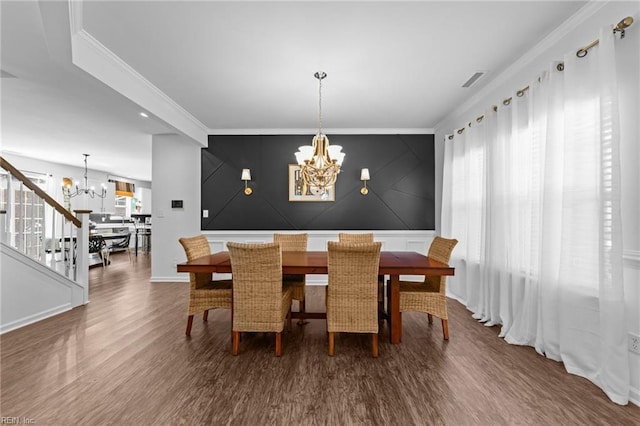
[(91, 192), (320, 162)]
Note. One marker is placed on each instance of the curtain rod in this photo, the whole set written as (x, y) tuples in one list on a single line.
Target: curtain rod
[(622, 25), (581, 53)]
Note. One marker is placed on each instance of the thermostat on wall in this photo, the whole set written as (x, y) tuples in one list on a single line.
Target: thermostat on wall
[(176, 204)]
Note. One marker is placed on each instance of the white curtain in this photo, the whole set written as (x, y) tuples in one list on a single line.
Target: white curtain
[(532, 192)]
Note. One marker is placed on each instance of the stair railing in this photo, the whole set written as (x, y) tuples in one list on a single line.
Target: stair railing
[(34, 223)]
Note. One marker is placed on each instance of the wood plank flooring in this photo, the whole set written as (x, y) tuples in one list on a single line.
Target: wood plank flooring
[(123, 359)]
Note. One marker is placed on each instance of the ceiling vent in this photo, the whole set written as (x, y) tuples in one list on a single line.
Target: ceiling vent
[(473, 79)]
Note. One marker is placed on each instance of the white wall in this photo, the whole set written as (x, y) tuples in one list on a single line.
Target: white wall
[(38, 293), (176, 176), (578, 32)]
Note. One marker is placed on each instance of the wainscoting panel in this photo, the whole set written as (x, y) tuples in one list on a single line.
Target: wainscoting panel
[(401, 190)]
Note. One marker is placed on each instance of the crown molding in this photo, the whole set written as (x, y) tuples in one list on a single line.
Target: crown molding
[(520, 64), (328, 132), (96, 59), (75, 16)]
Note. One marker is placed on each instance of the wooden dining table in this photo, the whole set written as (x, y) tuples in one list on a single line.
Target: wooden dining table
[(392, 263)]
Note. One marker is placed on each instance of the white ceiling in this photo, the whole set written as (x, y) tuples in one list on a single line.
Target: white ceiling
[(248, 66)]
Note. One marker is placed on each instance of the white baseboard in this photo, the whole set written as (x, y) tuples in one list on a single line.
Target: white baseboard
[(4, 328)]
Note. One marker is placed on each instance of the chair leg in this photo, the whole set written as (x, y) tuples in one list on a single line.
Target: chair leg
[(388, 296), (105, 256), (189, 324), (205, 315), (331, 343), (381, 302), (289, 319), (302, 309), (430, 318), (278, 344), (445, 329), (374, 341), (235, 344)]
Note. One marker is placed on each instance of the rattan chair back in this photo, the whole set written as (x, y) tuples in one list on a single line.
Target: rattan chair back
[(258, 303), (297, 282), (195, 247), (292, 242), (352, 293), (347, 237), (440, 250)]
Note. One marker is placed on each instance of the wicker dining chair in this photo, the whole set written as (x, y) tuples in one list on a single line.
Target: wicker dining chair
[(366, 238), (204, 293), (260, 301), (297, 282), (347, 237), (352, 302), (429, 296)]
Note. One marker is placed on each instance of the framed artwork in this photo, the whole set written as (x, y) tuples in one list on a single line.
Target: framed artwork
[(299, 191)]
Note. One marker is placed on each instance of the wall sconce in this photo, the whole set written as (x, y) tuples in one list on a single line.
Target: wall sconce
[(246, 176), (364, 177)]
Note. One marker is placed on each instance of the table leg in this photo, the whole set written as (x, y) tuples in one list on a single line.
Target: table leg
[(393, 305), (136, 243)]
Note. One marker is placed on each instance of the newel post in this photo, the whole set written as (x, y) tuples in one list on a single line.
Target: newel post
[(82, 253)]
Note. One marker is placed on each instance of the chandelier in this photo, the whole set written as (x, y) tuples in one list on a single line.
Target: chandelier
[(90, 191), (320, 162)]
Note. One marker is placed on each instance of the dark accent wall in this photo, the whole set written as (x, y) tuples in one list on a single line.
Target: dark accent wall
[(401, 189)]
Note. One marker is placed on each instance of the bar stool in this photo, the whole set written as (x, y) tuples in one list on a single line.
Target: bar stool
[(143, 239)]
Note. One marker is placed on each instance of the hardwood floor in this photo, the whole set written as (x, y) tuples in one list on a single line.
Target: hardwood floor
[(124, 359)]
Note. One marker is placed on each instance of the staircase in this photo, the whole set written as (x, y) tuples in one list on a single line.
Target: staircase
[(44, 252)]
